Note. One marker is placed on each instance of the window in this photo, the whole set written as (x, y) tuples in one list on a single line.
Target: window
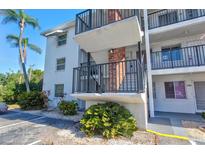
[(171, 53), (60, 64), (175, 90), (62, 39), (59, 90), (168, 18), (191, 13)]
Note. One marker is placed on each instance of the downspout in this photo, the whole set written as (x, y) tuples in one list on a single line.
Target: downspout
[(149, 74)]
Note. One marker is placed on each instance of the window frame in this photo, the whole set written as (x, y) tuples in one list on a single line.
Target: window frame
[(173, 53), (174, 88), (58, 94), (62, 41), (63, 64)]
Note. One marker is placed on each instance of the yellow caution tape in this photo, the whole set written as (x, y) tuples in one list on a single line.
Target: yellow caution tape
[(168, 135)]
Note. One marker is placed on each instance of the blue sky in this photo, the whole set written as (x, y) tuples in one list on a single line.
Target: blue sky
[(47, 19)]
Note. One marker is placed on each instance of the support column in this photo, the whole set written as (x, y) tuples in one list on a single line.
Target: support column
[(140, 52), (149, 75), (88, 78)]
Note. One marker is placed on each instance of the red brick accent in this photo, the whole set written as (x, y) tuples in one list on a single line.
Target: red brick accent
[(114, 15), (116, 70)]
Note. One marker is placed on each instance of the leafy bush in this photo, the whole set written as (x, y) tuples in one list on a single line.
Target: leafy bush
[(203, 115), (12, 85), (68, 107), (33, 100), (109, 120)]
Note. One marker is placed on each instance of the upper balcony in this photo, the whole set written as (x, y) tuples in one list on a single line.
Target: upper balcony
[(186, 59), (104, 29), (175, 23)]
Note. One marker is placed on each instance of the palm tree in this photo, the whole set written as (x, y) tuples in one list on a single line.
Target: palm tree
[(22, 19), (14, 41)]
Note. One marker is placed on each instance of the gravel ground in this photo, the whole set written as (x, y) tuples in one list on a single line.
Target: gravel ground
[(72, 135)]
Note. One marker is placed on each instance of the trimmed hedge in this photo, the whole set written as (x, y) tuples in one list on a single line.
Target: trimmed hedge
[(68, 107), (109, 120), (33, 100)]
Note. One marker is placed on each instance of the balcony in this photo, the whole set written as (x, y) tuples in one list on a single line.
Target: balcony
[(121, 81), (100, 29), (179, 57), (115, 77), (175, 23), (171, 16)]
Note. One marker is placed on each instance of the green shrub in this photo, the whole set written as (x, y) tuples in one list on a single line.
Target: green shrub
[(109, 120), (203, 115), (33, 100), (68, 107)]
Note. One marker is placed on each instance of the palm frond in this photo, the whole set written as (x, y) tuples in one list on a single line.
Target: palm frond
[(9, 16), (32, 21), (13, 40), (34, 48)]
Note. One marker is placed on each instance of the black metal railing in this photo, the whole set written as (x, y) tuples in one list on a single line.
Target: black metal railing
[(179, 57), (170, 16), (95, 18), (123, 76)]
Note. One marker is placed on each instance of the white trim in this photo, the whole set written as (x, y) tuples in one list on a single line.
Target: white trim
[(149, 74)]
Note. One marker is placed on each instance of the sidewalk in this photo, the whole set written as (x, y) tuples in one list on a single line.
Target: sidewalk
[(172, 123)]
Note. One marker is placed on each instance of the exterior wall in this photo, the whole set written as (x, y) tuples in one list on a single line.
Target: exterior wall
[(187, 105), (102, 56), (184, 42), (52, 76), (117, 71)]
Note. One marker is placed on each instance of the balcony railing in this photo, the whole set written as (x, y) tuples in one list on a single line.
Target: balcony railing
[(124, 76), (95, 18), (179, 57), (170, 16)]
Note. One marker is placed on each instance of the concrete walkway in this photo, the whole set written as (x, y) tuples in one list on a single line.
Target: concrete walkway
[(171, 123)]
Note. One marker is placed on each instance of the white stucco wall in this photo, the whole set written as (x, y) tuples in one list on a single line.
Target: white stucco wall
[(102, 56), (183, 41), (187, 105), (52, 76)]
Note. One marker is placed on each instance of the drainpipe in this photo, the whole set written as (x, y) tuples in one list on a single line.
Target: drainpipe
[(149, 75)]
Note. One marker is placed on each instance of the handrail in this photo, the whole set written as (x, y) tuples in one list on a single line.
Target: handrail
[(171, 16), (121, 76), (180, 57), (96, 18)]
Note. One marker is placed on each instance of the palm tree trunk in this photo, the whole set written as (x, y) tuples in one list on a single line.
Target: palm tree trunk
[(22, 57)]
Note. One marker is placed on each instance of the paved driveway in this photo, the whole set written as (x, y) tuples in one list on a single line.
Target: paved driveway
[(23, 128)]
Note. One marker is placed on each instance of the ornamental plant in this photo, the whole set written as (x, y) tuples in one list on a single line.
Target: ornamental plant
[(68, 107), (109, 120), (33, 100)]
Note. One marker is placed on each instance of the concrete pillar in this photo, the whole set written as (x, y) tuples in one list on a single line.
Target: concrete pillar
[(149, 75)]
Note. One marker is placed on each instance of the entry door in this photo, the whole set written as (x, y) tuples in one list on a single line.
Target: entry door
[(200, 95)]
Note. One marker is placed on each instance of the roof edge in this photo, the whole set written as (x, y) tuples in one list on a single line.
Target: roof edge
[(59, 27)]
